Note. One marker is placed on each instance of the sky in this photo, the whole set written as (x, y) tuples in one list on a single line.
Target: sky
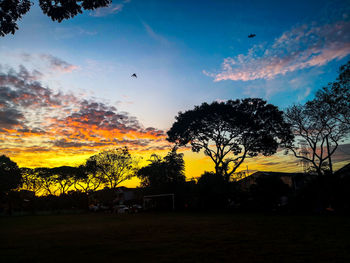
[(67, 91)]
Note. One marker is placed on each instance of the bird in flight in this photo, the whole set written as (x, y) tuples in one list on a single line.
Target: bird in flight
[(134, 75), (251, 35)]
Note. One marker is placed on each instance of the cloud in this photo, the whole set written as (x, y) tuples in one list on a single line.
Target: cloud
[(39, 116), (305, 94), (50, 62), (154, 35), (109, 10), (302, 47), (10, 118), (20, 89), (58, 64), (71, 32)]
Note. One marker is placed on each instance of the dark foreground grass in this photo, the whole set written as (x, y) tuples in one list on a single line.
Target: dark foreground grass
[(175, 237)]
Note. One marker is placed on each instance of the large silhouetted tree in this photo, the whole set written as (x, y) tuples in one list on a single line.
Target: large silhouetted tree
[(322, 123), (13, 10), (10, 175), (116, 166), (229, 132)]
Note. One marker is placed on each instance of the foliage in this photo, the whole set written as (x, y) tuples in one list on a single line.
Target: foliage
[(10, 175), (10, 12), (48, 181), (88, 179), (229, 132), (116, 166), (64, 177), (31, 180), (336, 96), (320, 124), (162, 173), (108, 168), (58, 10)]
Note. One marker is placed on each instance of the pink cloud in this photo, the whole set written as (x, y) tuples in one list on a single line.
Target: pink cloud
[(58, 64), (302, 47)]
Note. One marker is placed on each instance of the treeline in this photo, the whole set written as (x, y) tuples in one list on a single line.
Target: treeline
[(106, 169), (228, 133)]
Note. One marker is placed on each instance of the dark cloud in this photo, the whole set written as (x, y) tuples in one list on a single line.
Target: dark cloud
[(20, 88), (63, 143), (10, 118), (32, 109), (270, 163), (95, 113)]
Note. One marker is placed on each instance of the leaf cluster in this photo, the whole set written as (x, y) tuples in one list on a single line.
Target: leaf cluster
[(58, 10)]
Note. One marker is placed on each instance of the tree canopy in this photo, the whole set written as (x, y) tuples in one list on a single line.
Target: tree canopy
[(10, 175), (229, 132), (335, 98), (116, 166), (58, 10), (165, 172), (322, 123), (88, 179)]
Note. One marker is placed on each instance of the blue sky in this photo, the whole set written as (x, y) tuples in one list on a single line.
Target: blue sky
[(170, 45), (184, 53)]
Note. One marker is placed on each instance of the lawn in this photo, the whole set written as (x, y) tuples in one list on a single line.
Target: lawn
[(175, 237)]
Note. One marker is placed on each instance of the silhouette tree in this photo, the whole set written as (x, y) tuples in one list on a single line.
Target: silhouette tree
[(175, 165), (47, 179), (163, 173), (229, 132), (13, 10), (116, 166), (10, 175), (88, 179), (64, 177), (336, 96), (312, 124), (322, 123), (31, 180)]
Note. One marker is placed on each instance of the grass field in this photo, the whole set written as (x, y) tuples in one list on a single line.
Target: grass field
[(175, 237)]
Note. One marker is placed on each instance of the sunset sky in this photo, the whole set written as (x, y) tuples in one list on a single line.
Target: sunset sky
[(66, 90)]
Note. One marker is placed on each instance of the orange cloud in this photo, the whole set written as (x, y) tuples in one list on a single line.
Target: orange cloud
[(36, 119)]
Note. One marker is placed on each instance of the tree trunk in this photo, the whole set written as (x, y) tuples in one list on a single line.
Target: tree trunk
[(329, 157)]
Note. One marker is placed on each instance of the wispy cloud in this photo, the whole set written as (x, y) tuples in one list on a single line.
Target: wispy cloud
[(302, 47), (51, 62), (58, 64), (71, 32), (154, 35), (109, 10)]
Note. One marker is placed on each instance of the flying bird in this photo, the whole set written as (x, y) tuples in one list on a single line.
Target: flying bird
[(134, 75), (251, 35)]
